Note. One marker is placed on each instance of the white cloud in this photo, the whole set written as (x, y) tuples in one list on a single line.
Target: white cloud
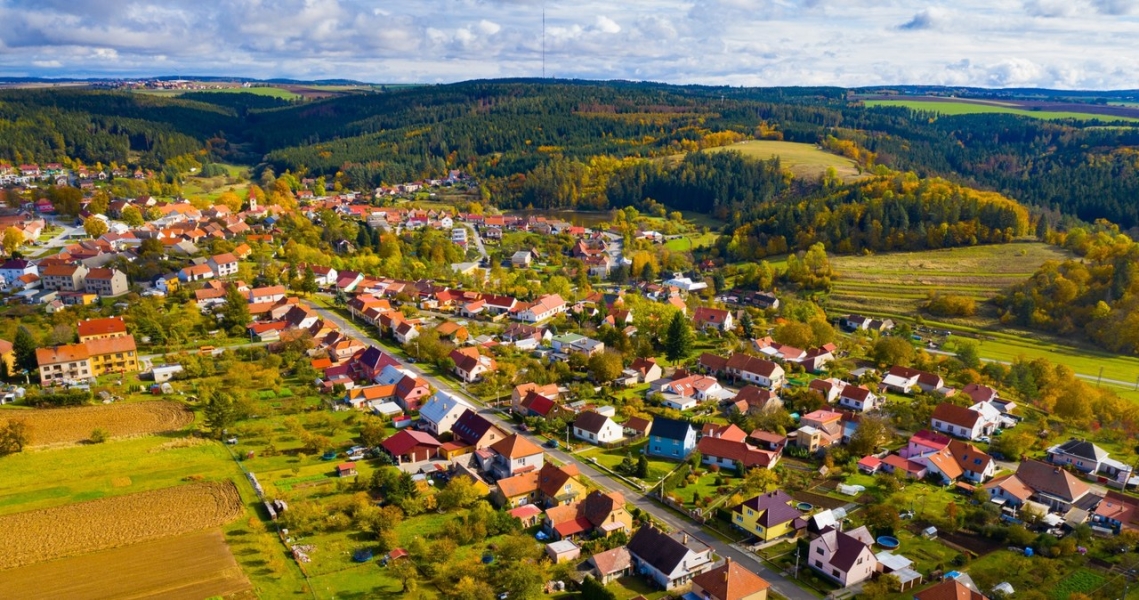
[(1060, 43)]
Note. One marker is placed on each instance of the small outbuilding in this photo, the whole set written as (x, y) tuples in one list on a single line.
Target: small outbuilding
[(347, 469), (562, 551)]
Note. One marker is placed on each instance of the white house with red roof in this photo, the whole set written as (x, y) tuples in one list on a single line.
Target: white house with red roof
[(546, 307), (712, 318), (858, 399)]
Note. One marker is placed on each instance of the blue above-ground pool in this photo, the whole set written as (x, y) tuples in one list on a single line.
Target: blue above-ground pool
[(804, 506), (888, 542)]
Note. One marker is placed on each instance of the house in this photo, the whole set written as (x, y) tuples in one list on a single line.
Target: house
[(769, 516), (861, 323), (223, 265), (1117, 513), (513, 455), (452, 331), (731, 454), (1046, 484), (558, 486), (606, 567), (904, 380), (600, 513), (96, 329), (410, 446), (347, 469), (647, 369), (410, 390), (546, 307), (671, 438), (687, 392), (829, 389), (669, 560), (857, 399), (763, 373), (1086, 457), (714, 318), (520, 392), (950, 589), (961, 460), (959, 421), (360, 397), (441, 411), (64, 364), (896, 465), (369, 364), (107, 283), (637, 427), (522, 258), (475, 431), (819, 429), (15, 268), (752, 399), (729, 581), (537, 405), (404, 331), (596, 428), (470, 365), (846, 558), (528, 514)]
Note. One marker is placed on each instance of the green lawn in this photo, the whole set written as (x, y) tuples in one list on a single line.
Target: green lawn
[(46, 478), (963, 107), (691, 241), (611, 458)]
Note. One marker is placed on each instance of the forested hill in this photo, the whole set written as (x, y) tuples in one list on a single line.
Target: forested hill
[(567, 143)]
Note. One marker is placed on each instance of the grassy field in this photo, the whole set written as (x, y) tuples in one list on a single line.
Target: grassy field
[(958, 107), (899, 282), (691, 242), (895, 285), (212, 187), (274, 92), (804, 160)]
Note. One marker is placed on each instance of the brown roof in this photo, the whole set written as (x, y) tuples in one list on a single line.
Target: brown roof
[(61, 354), (637, 424), (515, 446), (590, 421), (111, 345), (101, 274), (551, 478), (105, 326), (59, 270), (730, 582), (957, 415), (612, 561), (1051, 480), (950, 589), (224, 258), (750, 364)]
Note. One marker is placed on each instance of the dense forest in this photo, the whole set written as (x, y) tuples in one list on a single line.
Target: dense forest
[(1097, 295), (584, 144)]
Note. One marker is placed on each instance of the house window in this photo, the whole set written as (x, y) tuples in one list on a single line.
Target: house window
[(859, 562), (818, 550), (819, 563), (835, 572)]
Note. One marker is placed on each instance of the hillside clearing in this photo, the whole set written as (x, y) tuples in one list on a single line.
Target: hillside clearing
[(958, 107), (803, 160)]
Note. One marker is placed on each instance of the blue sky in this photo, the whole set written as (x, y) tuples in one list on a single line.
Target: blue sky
[(992, 43)]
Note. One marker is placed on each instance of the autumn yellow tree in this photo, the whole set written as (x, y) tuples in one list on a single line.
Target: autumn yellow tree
[(13, 239), (94, 226)]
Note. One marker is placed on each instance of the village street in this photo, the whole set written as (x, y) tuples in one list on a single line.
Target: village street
[(780, 583)]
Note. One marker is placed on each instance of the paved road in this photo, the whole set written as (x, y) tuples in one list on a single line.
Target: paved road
[(1084, 376), (781, 584), (478, 240)]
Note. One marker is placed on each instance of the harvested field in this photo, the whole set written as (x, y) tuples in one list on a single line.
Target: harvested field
[(897, 283), (70, 425), (192, 567), (973, 543), (34, 536)]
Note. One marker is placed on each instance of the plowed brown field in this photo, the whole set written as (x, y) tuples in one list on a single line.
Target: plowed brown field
[(34, 536), (70, 425), (188, 567)]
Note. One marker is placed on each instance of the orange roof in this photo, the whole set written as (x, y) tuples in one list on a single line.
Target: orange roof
[(515, 446), (104, 326), (512, 487), (730, 582), (111, 345), (61, 354)]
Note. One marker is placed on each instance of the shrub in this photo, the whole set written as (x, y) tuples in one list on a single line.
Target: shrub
[(99, 435)]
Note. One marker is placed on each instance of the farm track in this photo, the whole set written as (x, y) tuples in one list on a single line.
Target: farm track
[(188, 567), (30, 537), (70, 425)]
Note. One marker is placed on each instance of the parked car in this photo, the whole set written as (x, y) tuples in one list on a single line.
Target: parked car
[(551, 443)]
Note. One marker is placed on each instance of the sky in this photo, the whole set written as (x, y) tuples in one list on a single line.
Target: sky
[(1065, 44)]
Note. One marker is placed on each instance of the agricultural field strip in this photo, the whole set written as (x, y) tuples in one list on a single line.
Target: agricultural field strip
[(34, 536), (70, 425), (193, 566)]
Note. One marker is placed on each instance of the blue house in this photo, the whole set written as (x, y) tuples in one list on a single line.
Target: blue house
[(670, 438)]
